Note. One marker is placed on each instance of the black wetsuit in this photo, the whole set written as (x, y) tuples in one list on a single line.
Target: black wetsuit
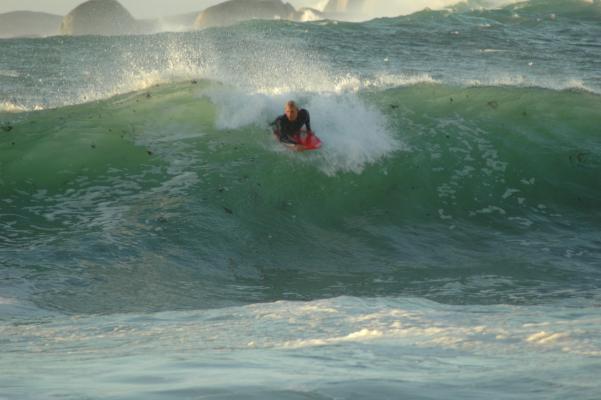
[(287, 129)]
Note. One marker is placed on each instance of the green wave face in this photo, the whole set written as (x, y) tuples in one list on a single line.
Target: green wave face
[(171, 176), (456, 144)]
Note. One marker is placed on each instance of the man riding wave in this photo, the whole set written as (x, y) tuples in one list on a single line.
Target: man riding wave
[(288, 126)]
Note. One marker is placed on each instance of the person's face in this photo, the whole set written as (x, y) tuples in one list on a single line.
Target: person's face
[(291, 113)]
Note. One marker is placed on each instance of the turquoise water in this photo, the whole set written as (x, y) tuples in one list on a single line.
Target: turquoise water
[(156, 241)]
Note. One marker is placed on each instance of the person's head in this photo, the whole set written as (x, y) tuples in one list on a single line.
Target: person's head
[(291, 110)]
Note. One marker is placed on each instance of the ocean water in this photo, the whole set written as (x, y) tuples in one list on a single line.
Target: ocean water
[(157, 243)]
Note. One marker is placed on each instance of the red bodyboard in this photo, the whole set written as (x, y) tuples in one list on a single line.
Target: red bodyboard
[(303, 141)]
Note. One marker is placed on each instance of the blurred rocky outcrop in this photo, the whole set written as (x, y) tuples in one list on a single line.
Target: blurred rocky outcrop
[(109, 17), (234, 11), (100, 17)]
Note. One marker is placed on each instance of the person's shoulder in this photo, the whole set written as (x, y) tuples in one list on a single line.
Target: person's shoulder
[(303, 112)]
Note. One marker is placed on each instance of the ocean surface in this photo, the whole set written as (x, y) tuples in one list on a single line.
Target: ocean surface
[(445, 243)]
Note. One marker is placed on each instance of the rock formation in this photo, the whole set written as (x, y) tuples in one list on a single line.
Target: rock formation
[(99, 17), (109, 17), (233, 11)]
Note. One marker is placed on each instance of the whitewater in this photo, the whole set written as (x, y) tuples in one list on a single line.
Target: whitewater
[(156, 242)]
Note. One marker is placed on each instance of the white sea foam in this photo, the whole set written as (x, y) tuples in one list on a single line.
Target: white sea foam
[(543, 337), (9, 73), (13, 107), (410, 323), (358, 336), (354, 133), (341, 342), (237, 108)]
